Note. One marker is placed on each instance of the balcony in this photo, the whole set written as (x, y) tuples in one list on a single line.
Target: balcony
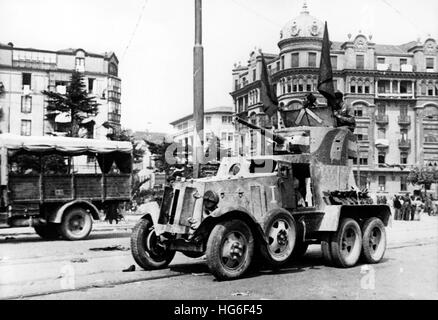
[(382, 144), (114, 117), (404, 120), (394, 95), (404, 143), (383, 67), (382, 119), (406, 68)]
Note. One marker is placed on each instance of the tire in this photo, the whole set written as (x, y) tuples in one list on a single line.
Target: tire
[(281, 233), (346, 244), (76, 224), (48, 231), (145, 249), (326, 251), (235, 239), (373, 240)]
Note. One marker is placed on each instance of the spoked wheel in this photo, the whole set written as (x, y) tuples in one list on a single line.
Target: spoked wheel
[(374, 240), (346, 243), (76, 224), (230, 249), (48, 231), (146, 249), (281, 233)]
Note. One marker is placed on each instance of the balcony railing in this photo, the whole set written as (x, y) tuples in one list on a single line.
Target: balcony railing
[(394, 95), (404, 120), (404, 143), (382, 119)]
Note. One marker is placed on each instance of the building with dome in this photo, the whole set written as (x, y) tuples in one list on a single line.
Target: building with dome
[(392, 89)]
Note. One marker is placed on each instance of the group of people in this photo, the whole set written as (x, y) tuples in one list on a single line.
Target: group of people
[(407, 207)]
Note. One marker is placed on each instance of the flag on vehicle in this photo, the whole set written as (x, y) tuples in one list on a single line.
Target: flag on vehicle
[(267, 93), (325, 79)]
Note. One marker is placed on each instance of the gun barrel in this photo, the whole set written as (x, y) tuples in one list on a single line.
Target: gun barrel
[(275, 137)]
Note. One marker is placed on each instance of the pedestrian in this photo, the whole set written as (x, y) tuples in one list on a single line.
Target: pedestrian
[(418, 207), (397, 208), (428, 205), (406, 207), (414, 203)]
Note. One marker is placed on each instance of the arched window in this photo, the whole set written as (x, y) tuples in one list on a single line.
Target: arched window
[(353, 85), (367, 86), (359, 86)]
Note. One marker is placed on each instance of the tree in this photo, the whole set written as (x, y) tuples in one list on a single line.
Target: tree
[(423, 176), (75, 102)]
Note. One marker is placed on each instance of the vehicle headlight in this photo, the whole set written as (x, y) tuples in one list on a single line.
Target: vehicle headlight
[(211, 199)]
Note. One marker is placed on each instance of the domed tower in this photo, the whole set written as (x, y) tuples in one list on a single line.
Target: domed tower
[(296, 72)]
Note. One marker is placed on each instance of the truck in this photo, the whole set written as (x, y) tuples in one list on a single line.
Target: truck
[(62, 200), (271, 206)]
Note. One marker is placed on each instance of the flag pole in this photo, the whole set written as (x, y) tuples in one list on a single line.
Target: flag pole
[(198, 92)]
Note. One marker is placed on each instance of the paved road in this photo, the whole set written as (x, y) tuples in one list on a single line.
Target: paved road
[(37, 269)]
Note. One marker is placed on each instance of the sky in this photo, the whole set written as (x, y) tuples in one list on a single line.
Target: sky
[(154, 39)]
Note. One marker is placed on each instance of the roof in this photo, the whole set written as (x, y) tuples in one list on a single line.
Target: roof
[(222, 109), (155, 137), (66, 145), (389, 49)]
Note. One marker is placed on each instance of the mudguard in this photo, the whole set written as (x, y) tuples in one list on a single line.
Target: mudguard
[(95, 213)]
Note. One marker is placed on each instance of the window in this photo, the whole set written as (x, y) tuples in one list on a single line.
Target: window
[(352, 89), (363, 161), (309, 87), (358, 111), (277, 65), (404, 134), (403, 158), (403, 111), (403, 183), (80, 64), (362, 133), (27, 80), (381, 60), (312, 59), (334, 61), (381, 133), (360, 61), (335, 85), (381, 109), (227, 119), (254, 75), (26, 104), (223, 136), (236, 84), (382, 183), (295, 60), (430, 89), (230, 136), (26, 127), (403, 61), (113, 69), (90, 85), (381, 158), (359, 89), (207, 120), (429, 63), (282, 62)]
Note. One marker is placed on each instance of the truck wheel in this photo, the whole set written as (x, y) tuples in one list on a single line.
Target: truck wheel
[(346, 243), (281, 233), (374, 240), (76, 224), (146, 249), (326, 252), (230, 248), (48, 231)]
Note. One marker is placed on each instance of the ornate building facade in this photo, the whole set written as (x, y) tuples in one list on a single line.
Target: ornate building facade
[(393, 90), (25, 72)]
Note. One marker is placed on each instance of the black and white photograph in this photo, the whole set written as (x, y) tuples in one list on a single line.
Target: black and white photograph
[(218, 150)]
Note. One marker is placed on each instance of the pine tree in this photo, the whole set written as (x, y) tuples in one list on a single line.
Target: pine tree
[(75, 102)]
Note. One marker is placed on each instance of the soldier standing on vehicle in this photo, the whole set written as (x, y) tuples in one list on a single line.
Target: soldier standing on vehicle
[(343, 113)]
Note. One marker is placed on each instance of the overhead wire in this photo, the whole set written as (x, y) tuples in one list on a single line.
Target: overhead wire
[(140, 17)]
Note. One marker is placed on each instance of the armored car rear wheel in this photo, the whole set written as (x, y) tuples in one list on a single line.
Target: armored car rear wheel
[(346, 243), (230, 249), (146, 248), (373, 241)]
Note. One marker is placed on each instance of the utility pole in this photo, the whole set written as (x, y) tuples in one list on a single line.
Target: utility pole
[(198, 92)]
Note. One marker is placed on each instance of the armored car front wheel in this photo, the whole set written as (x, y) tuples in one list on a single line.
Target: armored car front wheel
[(230, 249), (146, 248)]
